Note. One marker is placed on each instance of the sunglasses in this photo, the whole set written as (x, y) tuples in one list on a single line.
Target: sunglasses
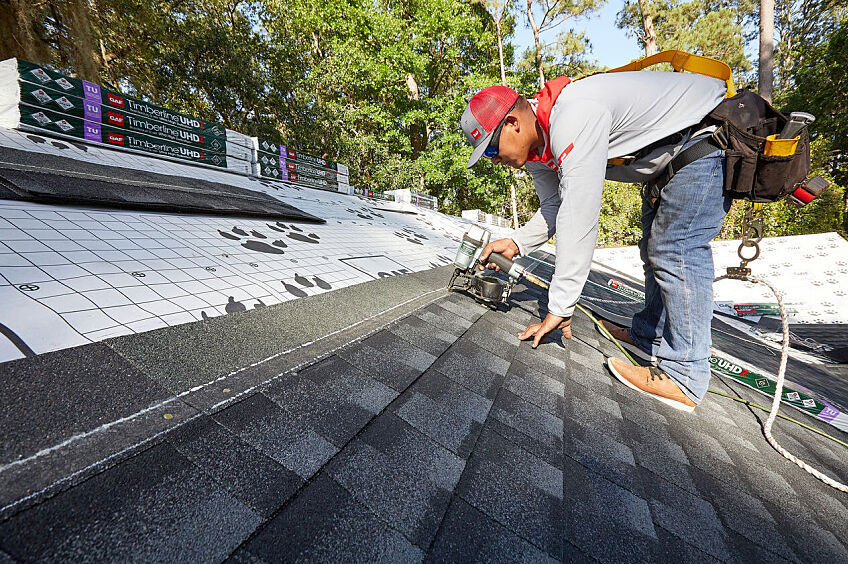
[(494, 145)]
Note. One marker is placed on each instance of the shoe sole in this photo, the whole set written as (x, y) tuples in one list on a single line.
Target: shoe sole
[(669, 402), (632, 348)]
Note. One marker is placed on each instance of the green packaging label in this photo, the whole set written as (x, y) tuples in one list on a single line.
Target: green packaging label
[(92, 111), (48, 79), (305, 169), (273, 149), (272, 170), (99, 133), (624, 290), (800, 400)]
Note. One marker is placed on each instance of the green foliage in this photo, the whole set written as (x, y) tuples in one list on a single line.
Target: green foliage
[(621, 211), (696, 26), (381, 84)]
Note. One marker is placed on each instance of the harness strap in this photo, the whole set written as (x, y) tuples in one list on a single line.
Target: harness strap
[(689, 155), (682, 61)]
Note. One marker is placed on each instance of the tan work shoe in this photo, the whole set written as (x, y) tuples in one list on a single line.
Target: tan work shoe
[(652, 381), (620, 333)]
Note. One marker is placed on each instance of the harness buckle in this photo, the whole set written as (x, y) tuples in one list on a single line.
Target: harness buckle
[(720, 137)]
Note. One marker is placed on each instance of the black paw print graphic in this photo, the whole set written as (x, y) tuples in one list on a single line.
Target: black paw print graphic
[(410, 235), (294, 232), (233, 306), (276, 247), (364, 212), (305, 283), (393, 273)]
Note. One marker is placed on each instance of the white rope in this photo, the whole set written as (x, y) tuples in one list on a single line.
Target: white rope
[(778, 392)]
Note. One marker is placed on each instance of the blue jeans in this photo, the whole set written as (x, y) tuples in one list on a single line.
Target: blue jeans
[(675, 323)]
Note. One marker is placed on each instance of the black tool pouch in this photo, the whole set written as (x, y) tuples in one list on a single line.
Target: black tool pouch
[(759, 167)]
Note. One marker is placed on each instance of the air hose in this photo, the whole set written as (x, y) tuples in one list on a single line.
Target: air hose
[(743, 274)]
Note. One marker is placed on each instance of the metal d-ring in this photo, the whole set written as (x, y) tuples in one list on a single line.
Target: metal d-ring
[(751, 244)]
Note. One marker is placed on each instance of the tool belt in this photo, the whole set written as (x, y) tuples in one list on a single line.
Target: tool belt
[(759, 166)]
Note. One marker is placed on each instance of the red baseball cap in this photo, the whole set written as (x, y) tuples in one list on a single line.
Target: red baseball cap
[(485, 112)]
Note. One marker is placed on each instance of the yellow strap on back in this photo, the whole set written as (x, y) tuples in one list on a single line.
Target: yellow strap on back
[(683, 61)]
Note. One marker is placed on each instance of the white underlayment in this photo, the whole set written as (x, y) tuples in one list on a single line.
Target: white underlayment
[(72, 275), (810, 270), (75, 275)]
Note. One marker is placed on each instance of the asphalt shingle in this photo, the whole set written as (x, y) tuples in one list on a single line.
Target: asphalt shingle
[(441, 437), (155, 506)]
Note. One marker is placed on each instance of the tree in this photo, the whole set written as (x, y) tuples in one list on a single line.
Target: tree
[(58, 33), (554, 13), (821, 87), (695, 26), (648, 35), (765, 68)]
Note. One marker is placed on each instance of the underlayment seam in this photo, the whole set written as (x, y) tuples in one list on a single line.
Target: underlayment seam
[(106, 426)]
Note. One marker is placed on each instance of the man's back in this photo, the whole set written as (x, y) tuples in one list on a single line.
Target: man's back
[(644, 106)]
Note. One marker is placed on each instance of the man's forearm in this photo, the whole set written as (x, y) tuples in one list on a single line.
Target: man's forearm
[(536, 232)]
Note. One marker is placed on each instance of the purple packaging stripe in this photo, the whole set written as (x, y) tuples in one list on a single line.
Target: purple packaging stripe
[(282, 162), (283, 154), (829, 413), (92, 111), (92, 91), (285, 174), (92, 132)]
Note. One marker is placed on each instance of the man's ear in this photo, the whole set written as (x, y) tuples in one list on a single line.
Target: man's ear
[(513, 121)]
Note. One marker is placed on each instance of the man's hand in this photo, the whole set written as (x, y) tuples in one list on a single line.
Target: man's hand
[(506, 247), (551, 323)]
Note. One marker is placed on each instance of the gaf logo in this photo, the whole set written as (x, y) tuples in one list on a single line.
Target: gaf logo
[(115, 100), (291, 154), (116, 119), (116, 139), (290, 166)]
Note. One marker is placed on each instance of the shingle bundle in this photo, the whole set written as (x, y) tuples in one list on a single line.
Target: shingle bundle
[(36, 98), (285, 163)]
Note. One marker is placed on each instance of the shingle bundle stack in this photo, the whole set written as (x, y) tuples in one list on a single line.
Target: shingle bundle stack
[(285, 163), (35, 98)]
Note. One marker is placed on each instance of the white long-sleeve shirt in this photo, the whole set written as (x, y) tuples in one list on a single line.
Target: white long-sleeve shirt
[(594, 119)]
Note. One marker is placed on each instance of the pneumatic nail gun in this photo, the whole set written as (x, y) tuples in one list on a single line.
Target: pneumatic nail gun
[(468, 277)]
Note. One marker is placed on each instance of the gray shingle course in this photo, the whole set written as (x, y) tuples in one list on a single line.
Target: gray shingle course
[(517, 489), (154, 506), (469, 535), (51, 397), (443, 436), (394, 366), (325, 523), (455, 431), (249, 475), (423, 335), (535, 387), (473, 367), (332, 397), (279, 435), (444, 319)]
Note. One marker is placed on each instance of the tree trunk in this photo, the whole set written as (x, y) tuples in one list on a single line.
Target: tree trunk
[(85, 56), (650, 37), (503, 83), (500, 51), (535, 29), (766, 66), (417, 138), (514, 203), (20, 24)]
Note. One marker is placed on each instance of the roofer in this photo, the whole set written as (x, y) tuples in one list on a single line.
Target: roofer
[(564, 137)]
